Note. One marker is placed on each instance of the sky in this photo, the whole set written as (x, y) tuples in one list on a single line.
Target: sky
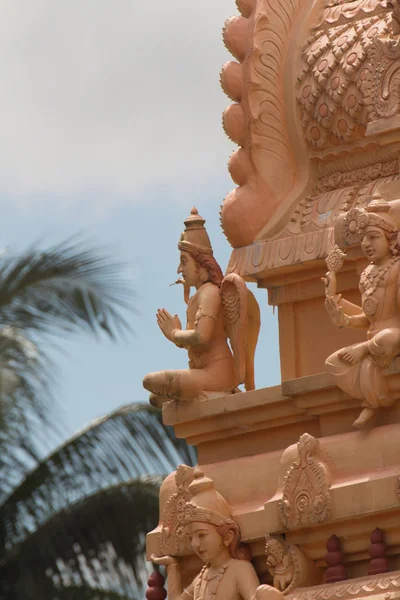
[(111, 127)]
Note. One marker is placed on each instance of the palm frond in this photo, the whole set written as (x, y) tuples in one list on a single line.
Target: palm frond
[(129, 442), (25, 406), (98, 543), (88, 593), (67, 287)]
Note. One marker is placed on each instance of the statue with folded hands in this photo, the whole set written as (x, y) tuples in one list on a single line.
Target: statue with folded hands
[(221, 309)]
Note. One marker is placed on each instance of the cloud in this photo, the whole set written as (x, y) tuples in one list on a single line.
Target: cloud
[(114, 96)]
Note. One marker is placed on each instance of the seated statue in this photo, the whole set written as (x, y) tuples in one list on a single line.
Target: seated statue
[(215, 537), (221, 308), (359, 369)]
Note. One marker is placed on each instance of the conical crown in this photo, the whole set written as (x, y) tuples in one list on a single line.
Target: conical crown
[(379, 214), (207, 505), (195, 236)]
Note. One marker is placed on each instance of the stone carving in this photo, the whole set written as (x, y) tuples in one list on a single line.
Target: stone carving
[(264, 167), (221, 308), (288, 565), (306, 498), (344, 178), (332, 92), (356, 588), (359, 369), (382, 79), (395, 6), (339, 12), (215, 537), (173, 534)]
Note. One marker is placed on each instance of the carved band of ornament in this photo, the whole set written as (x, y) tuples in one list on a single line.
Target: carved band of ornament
[(337, 12), (271, 151), (263, 256), (350, 590), (306, 498), (361, 175)]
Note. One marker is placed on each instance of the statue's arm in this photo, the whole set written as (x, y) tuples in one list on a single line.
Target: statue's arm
[(175, 589), (349, 308), (206, 317), (336, 307), (247, 580)]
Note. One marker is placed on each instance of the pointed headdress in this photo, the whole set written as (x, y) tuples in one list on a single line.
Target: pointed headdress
[(356, 220), (206, 505), (195, 236)]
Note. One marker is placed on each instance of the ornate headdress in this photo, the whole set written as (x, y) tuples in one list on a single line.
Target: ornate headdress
[(195, 236), (356, 220), (207, 505)]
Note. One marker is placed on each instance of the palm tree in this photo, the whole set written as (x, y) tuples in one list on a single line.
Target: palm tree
[(72, 525)]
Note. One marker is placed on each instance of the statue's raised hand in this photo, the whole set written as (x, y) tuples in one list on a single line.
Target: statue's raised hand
[(335, 311), (165, 561), (168, 323), (330, 283)]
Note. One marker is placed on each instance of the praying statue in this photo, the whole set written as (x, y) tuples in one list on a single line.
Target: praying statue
[(221, 308), (227, 573), (359, 369)]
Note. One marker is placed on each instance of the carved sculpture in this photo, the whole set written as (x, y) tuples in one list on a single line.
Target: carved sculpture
[(395, 6), (215, 537), (173, 533), (359, 369), (221, 308), (288, 565), (306, 498)]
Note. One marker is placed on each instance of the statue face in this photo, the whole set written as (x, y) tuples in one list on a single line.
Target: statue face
[(375, 244), (189, 269), (207, 543)]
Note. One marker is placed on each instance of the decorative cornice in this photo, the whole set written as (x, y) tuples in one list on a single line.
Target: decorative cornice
[(362, 587)]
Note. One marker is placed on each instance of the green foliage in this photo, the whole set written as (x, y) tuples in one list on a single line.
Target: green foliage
[(72, 525)]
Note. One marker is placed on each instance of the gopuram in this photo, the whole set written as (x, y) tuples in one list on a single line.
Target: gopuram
[(297, 489)]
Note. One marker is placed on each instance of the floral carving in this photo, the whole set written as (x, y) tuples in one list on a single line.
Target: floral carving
[(332, 91), (395, 6), (352, 589), (335, 259), (173, 533), (382, 79), (306, 498)]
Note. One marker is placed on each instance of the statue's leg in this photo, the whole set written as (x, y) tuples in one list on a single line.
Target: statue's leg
[(370, 382), (346, 375), (181, 385), (383, 347), (164, 384)]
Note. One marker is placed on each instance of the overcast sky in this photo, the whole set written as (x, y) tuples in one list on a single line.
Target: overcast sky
[(111, 124)]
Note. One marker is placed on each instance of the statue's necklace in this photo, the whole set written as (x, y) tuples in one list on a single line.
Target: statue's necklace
[(370, 280), (203, 577)]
